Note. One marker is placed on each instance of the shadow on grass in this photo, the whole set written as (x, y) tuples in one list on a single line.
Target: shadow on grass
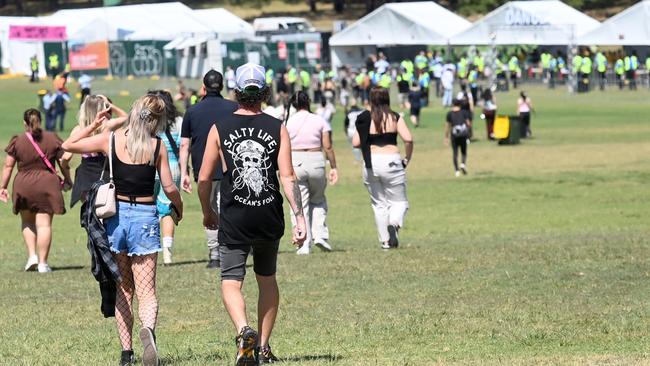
[(67, 268), (313, 251), (327, 357), (218, 357), (185, 263)]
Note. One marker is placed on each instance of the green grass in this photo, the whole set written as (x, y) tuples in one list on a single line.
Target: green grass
[(539, 256)]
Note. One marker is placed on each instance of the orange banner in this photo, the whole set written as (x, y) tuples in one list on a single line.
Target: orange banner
[(89, 56)]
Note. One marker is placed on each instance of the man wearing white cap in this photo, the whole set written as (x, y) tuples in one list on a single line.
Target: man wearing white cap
[(252, 147)]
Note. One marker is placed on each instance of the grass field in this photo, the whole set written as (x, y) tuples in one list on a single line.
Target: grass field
[(538, 257)]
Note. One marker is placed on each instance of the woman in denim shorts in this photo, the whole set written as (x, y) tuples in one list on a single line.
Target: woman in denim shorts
[(134, 231)]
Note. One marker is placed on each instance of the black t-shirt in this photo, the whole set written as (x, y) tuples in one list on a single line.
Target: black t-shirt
[(458, 122), (251, 203), (403, 86), (197, 122), (414, 98)]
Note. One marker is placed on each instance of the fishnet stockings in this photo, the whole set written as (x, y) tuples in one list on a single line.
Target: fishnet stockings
[(139, 274)]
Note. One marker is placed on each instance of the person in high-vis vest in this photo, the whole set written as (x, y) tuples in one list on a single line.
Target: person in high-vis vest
[(545, 61), (631, 65), (33, 65), (601, 67), (513, 67), (292, 78), (421, 61), (305, 80), (585, 74), (407, 66), (462, 69), (53, 65), (619, 69), (424, 80), (479, 62), (502, 79), (385, 80), (552, 70)]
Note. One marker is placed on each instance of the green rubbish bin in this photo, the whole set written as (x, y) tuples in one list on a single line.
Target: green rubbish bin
[(514, 131)]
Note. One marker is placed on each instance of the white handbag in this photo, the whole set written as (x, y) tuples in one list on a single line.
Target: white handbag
[(105, 202)]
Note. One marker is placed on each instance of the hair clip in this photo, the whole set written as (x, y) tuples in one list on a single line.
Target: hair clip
[(145, 113)]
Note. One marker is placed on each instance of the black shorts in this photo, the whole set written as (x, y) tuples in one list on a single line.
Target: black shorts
[(233, 259), (415, 111)]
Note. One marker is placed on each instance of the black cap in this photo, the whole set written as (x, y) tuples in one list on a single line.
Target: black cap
[(213, 80)]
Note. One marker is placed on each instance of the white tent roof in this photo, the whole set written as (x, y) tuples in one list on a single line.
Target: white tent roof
[(631, 27), (226, 24), (541, 22), (414, 23), (162, 21)]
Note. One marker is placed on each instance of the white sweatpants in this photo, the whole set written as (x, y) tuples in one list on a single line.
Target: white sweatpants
[(312, 181), (386, 183), (212, 236)]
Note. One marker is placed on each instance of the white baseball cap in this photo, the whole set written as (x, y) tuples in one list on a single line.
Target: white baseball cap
[(250, 75)]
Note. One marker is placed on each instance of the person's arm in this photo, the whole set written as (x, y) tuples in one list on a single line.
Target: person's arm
[(10, 162), (290, 186), (79, 142), (210, 161), (329, 152), (405, 134), (65, 170), (356, 140), (184, 153), (167, 182)]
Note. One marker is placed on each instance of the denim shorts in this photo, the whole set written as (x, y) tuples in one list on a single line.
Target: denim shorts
[(134, 229)]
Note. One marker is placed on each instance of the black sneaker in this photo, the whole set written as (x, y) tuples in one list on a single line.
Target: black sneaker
[(127, 358), (214, 263), (266, 356), (150, 352), (392, 234), (246, 347)]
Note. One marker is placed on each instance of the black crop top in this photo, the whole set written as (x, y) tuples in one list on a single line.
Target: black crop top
[(383, 139), (134, 180)]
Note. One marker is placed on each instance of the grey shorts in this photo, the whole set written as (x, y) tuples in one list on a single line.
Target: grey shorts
[(234, 256)]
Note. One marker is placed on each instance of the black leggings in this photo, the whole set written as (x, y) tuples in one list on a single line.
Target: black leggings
[(459, 142)]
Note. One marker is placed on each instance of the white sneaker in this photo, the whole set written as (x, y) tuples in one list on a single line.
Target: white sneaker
[(167, 255), (463, 169), (304, 249), (44, 268), (32, 262), (457, 174), (323, 244), (385, 245)]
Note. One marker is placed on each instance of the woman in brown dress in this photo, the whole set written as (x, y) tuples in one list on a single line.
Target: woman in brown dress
[(36, 192)]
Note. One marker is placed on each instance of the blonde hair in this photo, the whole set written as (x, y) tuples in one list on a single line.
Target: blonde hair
[(146, 119), (91, 105)]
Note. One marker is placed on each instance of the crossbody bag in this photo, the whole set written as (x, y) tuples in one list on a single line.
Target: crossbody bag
[(44, 158)]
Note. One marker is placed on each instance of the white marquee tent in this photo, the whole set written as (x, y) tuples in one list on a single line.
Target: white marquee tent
[(227, 25), (396, 24), (541, 22), (630, 27), (164, 21)]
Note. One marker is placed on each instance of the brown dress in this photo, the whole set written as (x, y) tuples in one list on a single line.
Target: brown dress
[(35, 187)]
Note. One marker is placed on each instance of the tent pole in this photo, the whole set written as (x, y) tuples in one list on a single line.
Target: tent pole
[(493, 54), (571, 52)]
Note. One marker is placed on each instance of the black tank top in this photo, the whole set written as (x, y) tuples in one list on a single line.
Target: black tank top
[(251, 203), (383, 139), (134, 180)]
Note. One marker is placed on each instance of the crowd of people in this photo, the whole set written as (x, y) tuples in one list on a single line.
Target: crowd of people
[(241, 159)]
